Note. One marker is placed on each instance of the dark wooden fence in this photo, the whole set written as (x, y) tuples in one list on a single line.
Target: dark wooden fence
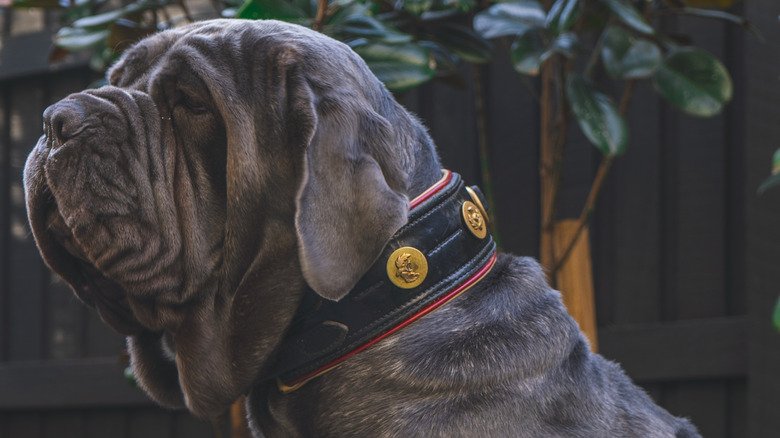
[(686, 255)]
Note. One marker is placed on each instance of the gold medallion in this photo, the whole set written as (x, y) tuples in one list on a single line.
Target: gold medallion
[(407, 267), (478, 202), (475, 220)]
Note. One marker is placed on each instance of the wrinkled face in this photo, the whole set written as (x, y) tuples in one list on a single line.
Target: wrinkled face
[(210, 161), (126, 189), (229, 164)]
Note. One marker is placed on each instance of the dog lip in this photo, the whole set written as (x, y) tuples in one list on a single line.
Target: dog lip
[(58, 229), (87, 281), (60, 232)]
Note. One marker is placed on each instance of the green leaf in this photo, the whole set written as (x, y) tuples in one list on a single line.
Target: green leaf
[(774, 178), (417, 7), (309, 7), (439, 14), (129, 376), (79, 9), (626, 56), (526, 52), (124, 33), (724, 16), (271, 9), (776, 163), (566, 44), (43, 4), (511, 18), (463, 42), (73, 39), (694, 81), (724, 4), (776, 316), (101, 58), (366, 26), (772, 181), (629, 15), (399, 66), (105, 19), (461, 5), (446, 65), (562, 15), (598, 117), (717, 15), (348, 11)]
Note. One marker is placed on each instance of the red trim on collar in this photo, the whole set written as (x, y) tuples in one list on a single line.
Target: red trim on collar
[(445, 179), (471, 281)]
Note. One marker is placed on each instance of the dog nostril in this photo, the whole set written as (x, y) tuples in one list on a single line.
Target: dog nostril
[(57, 129), (65, 119)]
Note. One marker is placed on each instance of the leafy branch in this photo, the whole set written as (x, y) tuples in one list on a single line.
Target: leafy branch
[(548, 37)]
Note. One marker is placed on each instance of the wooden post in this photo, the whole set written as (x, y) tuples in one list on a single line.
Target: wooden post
[(575, 278)]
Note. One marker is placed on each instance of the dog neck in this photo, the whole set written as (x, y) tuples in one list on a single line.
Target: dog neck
[(442, 251)]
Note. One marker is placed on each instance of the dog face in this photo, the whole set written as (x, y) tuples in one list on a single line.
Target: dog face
[(227, 164)]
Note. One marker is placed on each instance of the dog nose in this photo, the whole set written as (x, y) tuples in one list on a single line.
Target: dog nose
[(63, 121)]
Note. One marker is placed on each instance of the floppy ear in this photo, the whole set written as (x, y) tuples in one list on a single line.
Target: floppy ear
[(350, 201)]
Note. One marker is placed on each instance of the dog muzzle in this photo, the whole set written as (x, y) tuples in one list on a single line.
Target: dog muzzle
[(443, 250)]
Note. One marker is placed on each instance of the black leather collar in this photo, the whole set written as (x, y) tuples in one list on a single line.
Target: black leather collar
[(447, 226)]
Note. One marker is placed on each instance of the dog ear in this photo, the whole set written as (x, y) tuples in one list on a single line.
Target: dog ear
[(350, 200)]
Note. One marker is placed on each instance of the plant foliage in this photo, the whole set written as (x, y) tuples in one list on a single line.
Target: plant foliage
[(409, 42), (627, 46), (405, 43), (774, 176)]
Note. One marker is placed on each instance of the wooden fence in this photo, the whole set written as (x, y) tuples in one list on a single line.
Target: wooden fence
[(686, 255)]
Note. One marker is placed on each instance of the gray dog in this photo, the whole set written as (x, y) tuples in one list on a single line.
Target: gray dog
[(245, 201)]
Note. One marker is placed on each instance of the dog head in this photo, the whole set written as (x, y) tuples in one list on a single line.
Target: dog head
[(227, 164)]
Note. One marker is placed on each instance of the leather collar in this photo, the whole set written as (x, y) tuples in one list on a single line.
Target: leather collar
[(443, 250)]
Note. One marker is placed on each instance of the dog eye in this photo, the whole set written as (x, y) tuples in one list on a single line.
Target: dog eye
[(193, 105)]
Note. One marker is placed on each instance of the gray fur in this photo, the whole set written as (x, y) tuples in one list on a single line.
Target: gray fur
[(229, 164)]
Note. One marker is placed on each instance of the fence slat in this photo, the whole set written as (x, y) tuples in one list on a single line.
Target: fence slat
[(105, 423), (96, 382), (637, 222), (24, 425), (704, 403), (151, 424), (27, 338), (64, 424), (706, 348)]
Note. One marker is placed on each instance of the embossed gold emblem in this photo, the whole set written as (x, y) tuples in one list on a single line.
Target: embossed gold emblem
[(475, 220), (478, 202), (407, 267)]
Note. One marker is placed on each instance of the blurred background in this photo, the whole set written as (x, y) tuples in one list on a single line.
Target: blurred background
[(682, 253)]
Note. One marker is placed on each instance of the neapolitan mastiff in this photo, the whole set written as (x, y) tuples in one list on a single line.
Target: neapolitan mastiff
[(252, 209)]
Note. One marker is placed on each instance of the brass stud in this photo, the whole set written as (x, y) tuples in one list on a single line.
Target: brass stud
[(407, 267), (475, 221)]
